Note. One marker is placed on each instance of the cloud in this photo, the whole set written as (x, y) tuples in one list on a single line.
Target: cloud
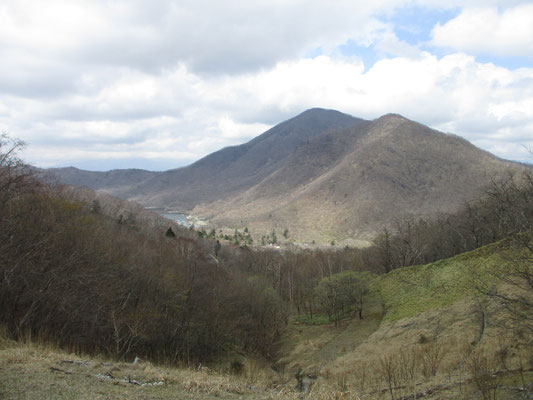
[(489, 31), (454, 93), (133, 80), (482, 102), (209, 36)]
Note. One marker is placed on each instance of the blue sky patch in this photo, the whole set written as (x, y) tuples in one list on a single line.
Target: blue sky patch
[(511, 63), (413, 25), (317, 51), (367, 54)]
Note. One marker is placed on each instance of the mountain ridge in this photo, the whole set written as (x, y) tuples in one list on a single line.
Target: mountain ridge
[(324, 175), (396, 180)]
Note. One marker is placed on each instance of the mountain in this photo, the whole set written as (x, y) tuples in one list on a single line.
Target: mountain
[(117, 182), (224, 172), (233, 170), (323, 175)]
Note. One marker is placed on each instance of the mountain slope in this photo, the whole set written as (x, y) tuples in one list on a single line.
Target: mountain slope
[(223, 173), (324, 176), (415, 311), (115, 182), (235, 169), (350, 183)]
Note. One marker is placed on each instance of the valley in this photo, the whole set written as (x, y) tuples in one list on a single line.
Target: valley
[(323, 175), (431, 299), (266, 200)]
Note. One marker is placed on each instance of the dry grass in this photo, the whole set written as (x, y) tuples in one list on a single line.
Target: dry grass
[(36, 371)]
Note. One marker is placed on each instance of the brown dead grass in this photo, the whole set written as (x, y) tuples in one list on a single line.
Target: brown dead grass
[(33, 371)]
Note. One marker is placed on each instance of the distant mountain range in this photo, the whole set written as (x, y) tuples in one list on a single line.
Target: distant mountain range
[(323, 175)]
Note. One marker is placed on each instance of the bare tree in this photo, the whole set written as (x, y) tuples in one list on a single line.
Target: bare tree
[(15, 176)]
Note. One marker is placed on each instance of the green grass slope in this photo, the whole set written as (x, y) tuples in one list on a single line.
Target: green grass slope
[(429, 332), (409, 291)]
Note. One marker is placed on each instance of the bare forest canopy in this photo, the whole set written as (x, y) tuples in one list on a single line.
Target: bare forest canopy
[(100, 276)]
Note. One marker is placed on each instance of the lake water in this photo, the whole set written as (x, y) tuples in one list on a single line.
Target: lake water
[(180, 218)]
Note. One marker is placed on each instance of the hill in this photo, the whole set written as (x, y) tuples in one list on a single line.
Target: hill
[(115, 182), (218, 175), (233, 170), (427, 333), (322, 175), (432, 321)]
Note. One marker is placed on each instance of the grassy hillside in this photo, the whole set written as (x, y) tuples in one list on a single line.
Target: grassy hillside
[(32, 371), (432, 319), (409, 291)]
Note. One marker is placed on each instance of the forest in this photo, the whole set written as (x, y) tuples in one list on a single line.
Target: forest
[(76, 272)]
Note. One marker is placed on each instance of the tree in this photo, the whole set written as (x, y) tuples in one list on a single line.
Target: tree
[(511, 284), (511, 204), (342, 290), (96, 207), (15, 176), (170, 233), (360, 285), (382, 244)]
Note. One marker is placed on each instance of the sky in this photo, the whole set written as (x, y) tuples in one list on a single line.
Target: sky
[(158, 84)]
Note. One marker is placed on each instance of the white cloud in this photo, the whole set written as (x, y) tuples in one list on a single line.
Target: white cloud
[(85, 80), (389, 43), (488, 31), (210, 36), (454, 93), (513, 110), (487, 104)]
